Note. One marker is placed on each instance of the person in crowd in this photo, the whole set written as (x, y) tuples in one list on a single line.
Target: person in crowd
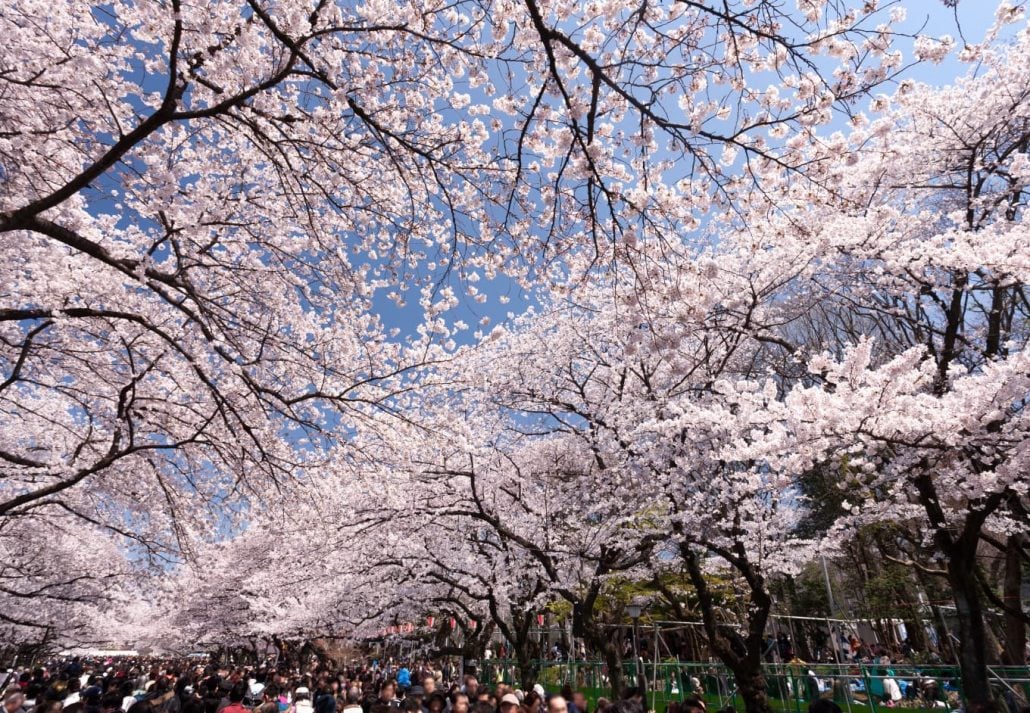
[(73, 694), (416, 695), (14, 702), (302, 701), (112, 701), (388, 694), (566, 693), (534, 700), (210, 694), (236, 695), (783, 647), (325, 699), (161, 696), (269, 700), (459, 703), (47, 705), (557, 704), (509, 703), (353, 704), (192, 701), (695, 703), (635, 695), (126, 691), (436, 703), (627, 705)]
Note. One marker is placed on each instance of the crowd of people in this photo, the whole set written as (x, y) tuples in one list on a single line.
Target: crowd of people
[(169, 686)]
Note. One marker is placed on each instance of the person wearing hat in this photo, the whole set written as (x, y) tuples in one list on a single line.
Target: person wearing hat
[(269, 700), (416, 694), (92, 697), (509, 703), (302, 701)]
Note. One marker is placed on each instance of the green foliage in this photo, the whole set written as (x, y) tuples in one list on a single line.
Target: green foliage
[(822, 487), (881, 591), (804, 594)]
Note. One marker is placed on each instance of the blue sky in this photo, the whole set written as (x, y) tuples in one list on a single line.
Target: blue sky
[(970, 20)]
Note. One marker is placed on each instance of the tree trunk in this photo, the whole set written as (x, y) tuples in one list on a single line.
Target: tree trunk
[(527, 673), (992, 636), (742, 656), (752, 687), (1015, 626), (522, 648), (610, 648), (972, 644), (616, 677)]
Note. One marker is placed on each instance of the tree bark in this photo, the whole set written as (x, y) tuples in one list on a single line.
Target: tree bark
[(522, 647), (1015, 627), (613, 660), (585, 626), (527, 671), (753, 691), (972, 644), (742, 656)]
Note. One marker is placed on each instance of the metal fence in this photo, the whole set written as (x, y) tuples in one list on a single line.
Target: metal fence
[(791, 687)]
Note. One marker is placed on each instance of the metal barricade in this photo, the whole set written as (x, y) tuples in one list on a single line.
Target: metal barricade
[(791, 687)]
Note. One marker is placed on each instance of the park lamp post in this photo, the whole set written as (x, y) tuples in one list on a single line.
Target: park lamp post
[(634, 609)]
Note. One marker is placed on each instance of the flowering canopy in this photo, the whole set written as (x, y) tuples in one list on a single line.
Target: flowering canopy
[(203, 208)]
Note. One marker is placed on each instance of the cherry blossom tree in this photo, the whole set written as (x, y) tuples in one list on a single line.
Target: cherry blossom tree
[(475, 574), (518, 524), (201, 205), (58, 577), (916, 260), (203, 208), (698, 387), (635, 385)]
